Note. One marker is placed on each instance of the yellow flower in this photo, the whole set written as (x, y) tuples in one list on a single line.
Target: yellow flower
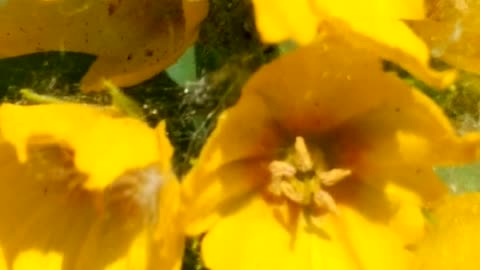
[(133, 40), (324, 163), (83, 187), (376, 25), (452, 32), (453, 240)]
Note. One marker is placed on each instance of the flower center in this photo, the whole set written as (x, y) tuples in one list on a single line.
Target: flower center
[(302, 177), (133, 194)]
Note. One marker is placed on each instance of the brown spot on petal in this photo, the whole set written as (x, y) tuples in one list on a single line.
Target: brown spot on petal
[(113, 6), (149, 53)]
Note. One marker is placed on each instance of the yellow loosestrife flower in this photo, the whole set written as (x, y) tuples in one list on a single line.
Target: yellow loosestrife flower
[(132, 39), (453, 240), (83, 187), (324, 163), (376, 25), (452, 32)]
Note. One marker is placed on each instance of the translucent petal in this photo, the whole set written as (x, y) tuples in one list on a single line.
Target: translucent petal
[(98, 139)]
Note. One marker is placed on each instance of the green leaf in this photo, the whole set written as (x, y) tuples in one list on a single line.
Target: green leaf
[(461, 179), (184, 70)]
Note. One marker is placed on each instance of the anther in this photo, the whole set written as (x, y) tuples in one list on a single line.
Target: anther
[(333, 176), (324, 200), (282, 169), (292, 192), (302, 158)]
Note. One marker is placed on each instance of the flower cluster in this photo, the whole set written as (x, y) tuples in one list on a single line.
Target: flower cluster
[(325, 162)]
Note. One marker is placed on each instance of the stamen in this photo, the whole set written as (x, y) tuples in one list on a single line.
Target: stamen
[(333, 176), (302, 158), (324, 200), (292, 192), (275, 186), (301, 181), (282, 169)]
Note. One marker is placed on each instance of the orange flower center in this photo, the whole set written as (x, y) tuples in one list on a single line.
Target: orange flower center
[(302, 177), (134, 193)]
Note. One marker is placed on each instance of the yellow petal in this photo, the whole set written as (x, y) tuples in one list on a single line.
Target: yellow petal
[(244, 131), (390, 208), (453, 239), (165, 147), (400, 141), (207, 196), (168, 236), (102, 144), (409, 222), (374, 25), (34, 260), (401, 9), (374, 244), (315, 88), (394, 41), (262, 241), (377, 226), (137, 255), (266, 238), (230, 163), (133, 40), (281, 20), (355, 11)]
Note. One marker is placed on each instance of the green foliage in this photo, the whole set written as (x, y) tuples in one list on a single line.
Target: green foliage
[(184, 70), (461, 179)]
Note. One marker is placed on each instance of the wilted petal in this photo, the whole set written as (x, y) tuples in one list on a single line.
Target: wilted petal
[(133, 40)]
